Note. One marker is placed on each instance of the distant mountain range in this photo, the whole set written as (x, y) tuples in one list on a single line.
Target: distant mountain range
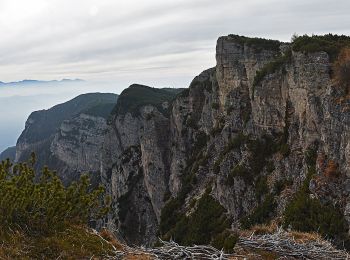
[(29, 82)]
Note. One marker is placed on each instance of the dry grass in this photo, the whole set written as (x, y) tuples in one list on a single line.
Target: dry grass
[(300, 237), (80, 243), (107, 235), (73, 243), (260, 229), (138, 257)]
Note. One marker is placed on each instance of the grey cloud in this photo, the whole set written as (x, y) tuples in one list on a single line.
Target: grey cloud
[(162, 27)]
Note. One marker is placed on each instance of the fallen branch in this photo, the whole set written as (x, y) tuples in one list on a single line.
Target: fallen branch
[(172, 250), (284, 245), (280, 243)]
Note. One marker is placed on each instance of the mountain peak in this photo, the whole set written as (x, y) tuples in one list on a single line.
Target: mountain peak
[(26, 82)]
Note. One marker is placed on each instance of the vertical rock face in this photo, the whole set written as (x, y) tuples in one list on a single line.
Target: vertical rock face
[(238, 63), (137, 171), (231, 130), (69, 136), (78, 144)]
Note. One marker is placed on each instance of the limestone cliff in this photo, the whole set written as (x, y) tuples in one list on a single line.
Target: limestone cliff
[(68, 137), (137, 160), (245, 128), (264, 135)]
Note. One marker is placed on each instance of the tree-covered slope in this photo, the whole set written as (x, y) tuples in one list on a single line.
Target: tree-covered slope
[(42, 124), (137, 96)]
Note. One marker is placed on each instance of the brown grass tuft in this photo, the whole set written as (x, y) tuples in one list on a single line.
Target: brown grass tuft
[(260, 229), (341, 70), (331, 170), (111, 239), (302, 237)]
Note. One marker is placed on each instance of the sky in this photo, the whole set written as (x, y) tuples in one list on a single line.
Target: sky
[(114, 43)]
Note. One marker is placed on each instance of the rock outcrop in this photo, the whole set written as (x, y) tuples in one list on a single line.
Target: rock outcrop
[(69, 136), (243, 129), (137, 160)]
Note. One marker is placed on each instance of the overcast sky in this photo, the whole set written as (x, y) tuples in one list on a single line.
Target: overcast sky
[(154, 42)]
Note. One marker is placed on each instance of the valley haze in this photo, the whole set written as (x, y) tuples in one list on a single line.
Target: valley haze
[(19, 99)]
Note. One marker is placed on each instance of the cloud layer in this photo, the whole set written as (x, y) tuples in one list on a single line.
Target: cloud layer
[(159, 41)]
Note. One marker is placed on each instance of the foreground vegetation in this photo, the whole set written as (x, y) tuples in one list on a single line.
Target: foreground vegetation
[(42, 219)]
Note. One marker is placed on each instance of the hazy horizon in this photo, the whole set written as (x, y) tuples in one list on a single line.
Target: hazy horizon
[(19, 102)]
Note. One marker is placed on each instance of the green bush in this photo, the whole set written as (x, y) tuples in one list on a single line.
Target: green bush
[(310, 157), (271, 68), (246, 116), (284, 149), (330, 43), (235, 143), (270, 167), (226, 241), (200, 143), (170, 215), (217, 163), (261, 187), (215, 106), (306, 214), (260, 150), (230, 243), (230, 109), (262, 214), (259, 44), (40, 203), (239, 171), (206, 222), (190, 122)]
